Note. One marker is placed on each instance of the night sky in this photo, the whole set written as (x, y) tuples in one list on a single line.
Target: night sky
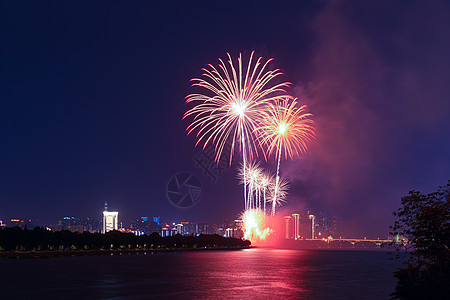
[(92, 96)]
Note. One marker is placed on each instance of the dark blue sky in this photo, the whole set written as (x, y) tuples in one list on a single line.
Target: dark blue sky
[(92, 97)]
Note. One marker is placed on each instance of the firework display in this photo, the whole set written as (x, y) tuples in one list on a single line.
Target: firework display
[(255, 226), (287, 127), (260, 186), (245, 105), (232, 103)]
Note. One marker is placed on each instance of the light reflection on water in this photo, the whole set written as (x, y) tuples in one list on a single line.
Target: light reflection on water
[(245, 274)]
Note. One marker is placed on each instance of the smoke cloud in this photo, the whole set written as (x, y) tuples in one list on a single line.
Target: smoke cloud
[(378, 90)]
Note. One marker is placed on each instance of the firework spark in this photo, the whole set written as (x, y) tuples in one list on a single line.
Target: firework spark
[(266, 180), (278, 192), (258, 182), (254, 225), (286, 127), (249, 175), (252, 175)]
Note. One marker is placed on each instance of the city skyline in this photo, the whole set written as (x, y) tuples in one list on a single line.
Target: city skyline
[(147, 224), (93, 110)]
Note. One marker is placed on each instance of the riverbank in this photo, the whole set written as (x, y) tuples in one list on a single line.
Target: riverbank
[(39, 242)]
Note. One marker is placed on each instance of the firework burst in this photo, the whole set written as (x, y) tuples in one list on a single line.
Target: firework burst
[(232, 99), (278, 193), (252, 174), (286, 127), (231, 103), (258, 182), (249, 175), (254, 225)]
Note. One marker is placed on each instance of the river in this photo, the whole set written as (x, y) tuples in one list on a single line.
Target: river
[(242, 274)]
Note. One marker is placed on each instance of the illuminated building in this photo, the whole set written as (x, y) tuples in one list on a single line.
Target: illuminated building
[(168, 230), (17, 222), (184, 228), (305, 225), (296, 226), (75, 224), (72, 224), (24, 224), (203, 228), (179, 228), (145, 225), (110, 220), (165, 231), (238, 231), (321, 226), (288, 224), (312, 218)]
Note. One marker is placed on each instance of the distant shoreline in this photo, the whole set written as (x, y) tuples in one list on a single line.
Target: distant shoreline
[(66, 253)]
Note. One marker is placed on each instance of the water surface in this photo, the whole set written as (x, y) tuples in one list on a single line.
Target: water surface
[(243, 274)]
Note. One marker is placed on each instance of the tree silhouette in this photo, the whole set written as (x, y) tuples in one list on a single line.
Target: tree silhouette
[(424, 222), (40, 239)]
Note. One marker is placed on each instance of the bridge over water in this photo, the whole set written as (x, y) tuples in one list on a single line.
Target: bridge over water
[(354, 241)]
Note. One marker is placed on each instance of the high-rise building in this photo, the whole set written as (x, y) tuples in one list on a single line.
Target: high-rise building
[(238, 229), (110, 220), (24, 224), (144, 225), (179, 228), (185, 228), (321, 225), (203, 228), (312, 218), (17, 223), (288, 225), (75, 224), (296, 226)]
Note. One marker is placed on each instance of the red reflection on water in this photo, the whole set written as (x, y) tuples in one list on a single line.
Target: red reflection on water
[(249, 274)]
